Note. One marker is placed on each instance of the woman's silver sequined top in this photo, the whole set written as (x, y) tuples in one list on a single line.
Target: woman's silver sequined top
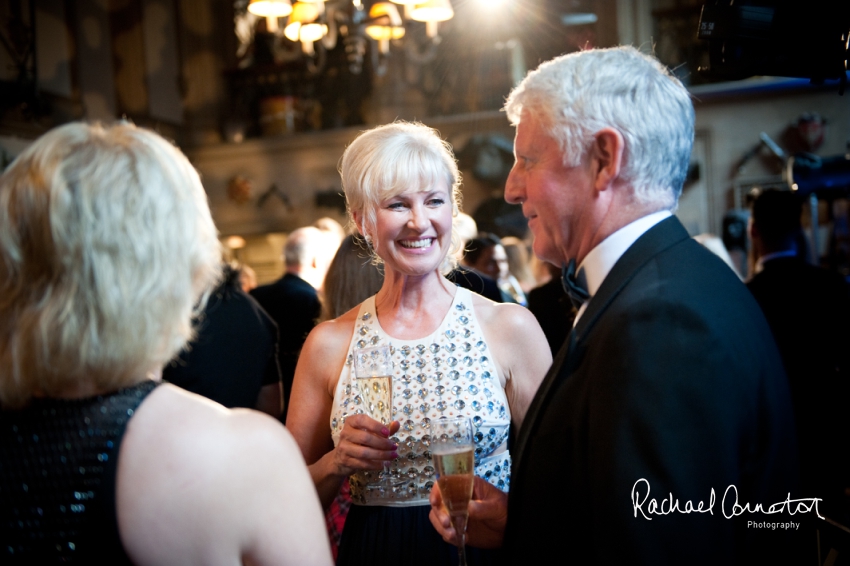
[(449, 373)]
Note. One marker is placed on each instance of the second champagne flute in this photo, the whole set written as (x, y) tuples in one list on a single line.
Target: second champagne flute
[(454, 458)]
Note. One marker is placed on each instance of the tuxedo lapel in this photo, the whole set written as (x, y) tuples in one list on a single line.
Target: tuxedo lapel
[(666, 233)]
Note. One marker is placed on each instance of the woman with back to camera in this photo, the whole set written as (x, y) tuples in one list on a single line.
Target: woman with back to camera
[(454, 352), (106, 244)]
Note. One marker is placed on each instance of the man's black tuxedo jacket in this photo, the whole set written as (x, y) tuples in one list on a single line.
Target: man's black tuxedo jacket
[(294, 305), (670, 376)]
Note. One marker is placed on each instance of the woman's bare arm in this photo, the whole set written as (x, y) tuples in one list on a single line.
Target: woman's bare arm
[(364, 442), (520, 348)]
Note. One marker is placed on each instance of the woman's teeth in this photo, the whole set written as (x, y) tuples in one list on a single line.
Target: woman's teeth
[(417, 243)]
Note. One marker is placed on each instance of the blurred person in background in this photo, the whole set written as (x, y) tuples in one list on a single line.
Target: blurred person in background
[(233, 357), (808, 310), (332, 227), (519, 263), (247, 277), (293, 300), (485, 256), (106, 245), (516, 258), (552, 308), (459, 274)]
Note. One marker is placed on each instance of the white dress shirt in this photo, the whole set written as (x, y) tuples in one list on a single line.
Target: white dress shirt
[(595, 267)]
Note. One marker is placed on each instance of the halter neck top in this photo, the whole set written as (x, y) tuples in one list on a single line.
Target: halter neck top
[(446, 374)]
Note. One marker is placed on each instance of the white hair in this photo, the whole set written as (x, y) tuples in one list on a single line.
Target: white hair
[(106, 245), (576, 95), (306, 243), (388, 160)]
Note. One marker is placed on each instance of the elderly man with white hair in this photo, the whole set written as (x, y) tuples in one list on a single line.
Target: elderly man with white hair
[(293, 300), (669, 388)]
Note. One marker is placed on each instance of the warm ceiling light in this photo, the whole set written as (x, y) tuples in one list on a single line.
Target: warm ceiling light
[(312, 32), (303, 26), (386, 23), (304, 12), (235, 242), (270, 8), (379, 33), (386, 11), (432, 11), (296, 31)]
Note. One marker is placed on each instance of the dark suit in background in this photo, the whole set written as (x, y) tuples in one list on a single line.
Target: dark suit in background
[(808, 310), (552, 308), (234, 355), (294, 305), (671, 376), (478, 283)]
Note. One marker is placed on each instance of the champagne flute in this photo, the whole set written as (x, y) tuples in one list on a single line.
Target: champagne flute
[(373, 372), (453, 451)]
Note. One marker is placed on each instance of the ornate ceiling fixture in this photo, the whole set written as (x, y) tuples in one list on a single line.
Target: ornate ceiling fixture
[(318, 25)]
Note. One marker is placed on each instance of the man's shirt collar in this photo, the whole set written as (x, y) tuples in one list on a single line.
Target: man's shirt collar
[(595, 267)]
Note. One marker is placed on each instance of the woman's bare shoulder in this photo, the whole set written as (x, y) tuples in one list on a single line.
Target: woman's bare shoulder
[(170, 416), (331, 335), (509, 316)]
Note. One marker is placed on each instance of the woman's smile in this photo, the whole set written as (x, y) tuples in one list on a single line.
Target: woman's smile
[(416, 244)]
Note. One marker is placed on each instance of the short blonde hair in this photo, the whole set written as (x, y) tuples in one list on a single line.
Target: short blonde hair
[(106, 245), (385, 161)]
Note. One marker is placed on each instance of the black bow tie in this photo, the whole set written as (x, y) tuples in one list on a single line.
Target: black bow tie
[(572, 286)]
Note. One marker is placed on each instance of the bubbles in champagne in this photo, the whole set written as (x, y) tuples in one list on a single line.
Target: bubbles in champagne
[(377, 392)]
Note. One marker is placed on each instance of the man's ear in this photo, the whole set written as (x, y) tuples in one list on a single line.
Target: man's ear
[(607, 157)]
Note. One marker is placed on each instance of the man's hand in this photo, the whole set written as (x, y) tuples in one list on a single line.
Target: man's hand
[(488, 514)]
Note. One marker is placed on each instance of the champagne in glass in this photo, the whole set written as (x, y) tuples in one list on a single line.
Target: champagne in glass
[(373, 370), (454, 459), (377, 393)]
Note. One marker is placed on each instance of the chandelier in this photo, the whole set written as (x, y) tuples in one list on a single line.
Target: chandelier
[(319, 25)]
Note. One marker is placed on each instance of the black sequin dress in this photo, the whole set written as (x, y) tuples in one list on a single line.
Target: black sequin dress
[(58, 460)]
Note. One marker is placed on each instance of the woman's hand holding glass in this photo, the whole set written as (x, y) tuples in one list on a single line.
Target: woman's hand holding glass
[(364, 444), (373, 369)]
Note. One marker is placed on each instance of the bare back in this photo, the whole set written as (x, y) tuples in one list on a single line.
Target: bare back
[(201, 484)]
